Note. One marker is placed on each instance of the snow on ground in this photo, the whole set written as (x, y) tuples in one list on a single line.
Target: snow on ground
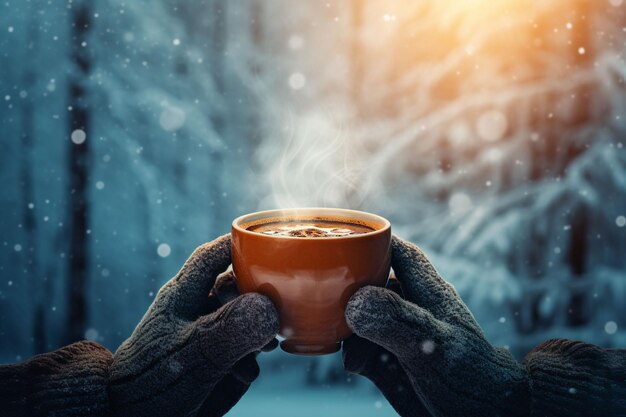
[(282, 392)]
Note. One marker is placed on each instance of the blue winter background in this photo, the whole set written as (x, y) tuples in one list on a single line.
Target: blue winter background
[(490, 133)]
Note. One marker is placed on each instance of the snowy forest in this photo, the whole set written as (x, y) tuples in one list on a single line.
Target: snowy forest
[(489, 133)]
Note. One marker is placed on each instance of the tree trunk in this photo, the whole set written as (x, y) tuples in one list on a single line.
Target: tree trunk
[(218, 119), (582, 52), (27, 181), (28, 214), (257, 33), (78, 172)]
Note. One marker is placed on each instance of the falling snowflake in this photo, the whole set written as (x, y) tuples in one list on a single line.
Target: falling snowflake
[(296, 42), (297, 80), (172, 118), (492, 125), (91, 334), (78, 136), (164, 250), (428, 347), (610, 327), (459, 203)]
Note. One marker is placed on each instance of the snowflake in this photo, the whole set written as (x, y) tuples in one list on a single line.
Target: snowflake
[(610, 327), (164, 250), (297, 80), (78, 136)]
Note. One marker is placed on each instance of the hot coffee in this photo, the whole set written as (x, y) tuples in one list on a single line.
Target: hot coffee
[(309, 262), (311, 228)]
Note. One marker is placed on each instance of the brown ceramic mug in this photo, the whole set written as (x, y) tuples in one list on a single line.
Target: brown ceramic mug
[(310, 279)]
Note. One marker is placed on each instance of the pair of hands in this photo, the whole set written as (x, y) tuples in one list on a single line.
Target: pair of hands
[(194, 355)]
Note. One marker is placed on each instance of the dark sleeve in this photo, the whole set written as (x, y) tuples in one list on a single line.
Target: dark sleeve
[(572, 378), (71, 381)]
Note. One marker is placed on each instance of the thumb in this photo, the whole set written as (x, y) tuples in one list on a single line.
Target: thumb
[(242, 326), (401, 327)]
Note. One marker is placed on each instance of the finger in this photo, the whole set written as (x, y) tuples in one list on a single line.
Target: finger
[(357, 353), (186, 294), (247, 369), (362, 357), (422, 284), (231, 388), (404, 329), (273, 344), (225, 287), (223, 397), (241, 327), (211, 305)]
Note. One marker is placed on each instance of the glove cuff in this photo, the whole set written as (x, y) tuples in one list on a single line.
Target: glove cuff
[(572, 378), (69, 381)]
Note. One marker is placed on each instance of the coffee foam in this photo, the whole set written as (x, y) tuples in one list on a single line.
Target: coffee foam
[(312, 218)]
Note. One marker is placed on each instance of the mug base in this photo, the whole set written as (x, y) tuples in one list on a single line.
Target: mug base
[(310, 350)]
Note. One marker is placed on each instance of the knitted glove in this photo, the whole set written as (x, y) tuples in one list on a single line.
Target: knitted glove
[(365, 358), (575, 379), (422, 348), (448, 366), (187, 357), (232, 387), (71, 381)]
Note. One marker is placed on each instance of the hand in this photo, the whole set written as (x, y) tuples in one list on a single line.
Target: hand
[(425, 351), (193, 353)]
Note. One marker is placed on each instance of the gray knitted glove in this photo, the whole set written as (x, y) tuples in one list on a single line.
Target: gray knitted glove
[(443, 364), (570, 378), (185, 358), (71, 381), (365, 358)]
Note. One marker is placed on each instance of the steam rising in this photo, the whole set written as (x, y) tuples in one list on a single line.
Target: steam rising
[(313, 165)]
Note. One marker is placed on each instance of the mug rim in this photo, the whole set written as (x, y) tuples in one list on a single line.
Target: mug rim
[(364, 215)]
